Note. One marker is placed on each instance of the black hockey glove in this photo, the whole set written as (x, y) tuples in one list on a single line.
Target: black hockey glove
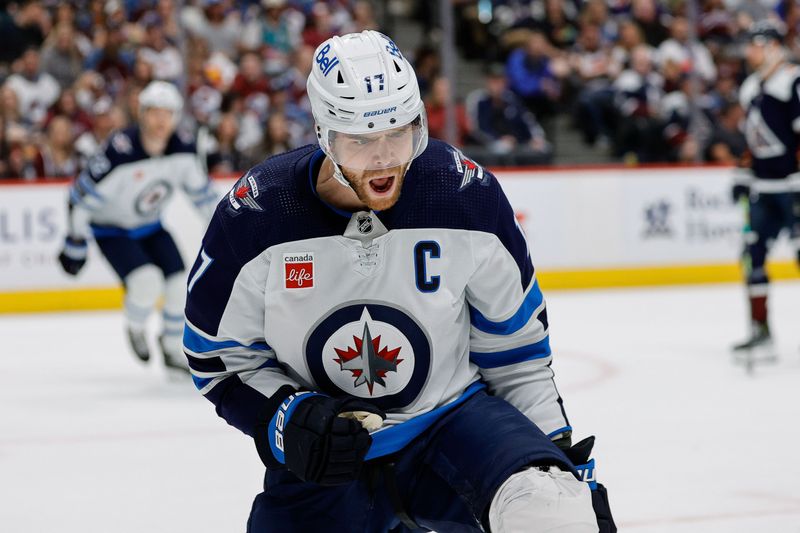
[(309, 436), (73, 255), (740, 191), (579, 455)]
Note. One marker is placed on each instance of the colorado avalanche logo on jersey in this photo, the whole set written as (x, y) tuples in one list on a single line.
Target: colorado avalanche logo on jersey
[(370, 350)]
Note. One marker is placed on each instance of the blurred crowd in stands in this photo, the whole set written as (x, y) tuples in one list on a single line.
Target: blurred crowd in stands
[(639, 80), (629, 72)]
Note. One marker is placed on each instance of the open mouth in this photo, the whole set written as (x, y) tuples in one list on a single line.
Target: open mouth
[(381, 185)]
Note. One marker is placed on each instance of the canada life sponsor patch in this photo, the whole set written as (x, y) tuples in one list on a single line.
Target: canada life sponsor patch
[(298, 270)]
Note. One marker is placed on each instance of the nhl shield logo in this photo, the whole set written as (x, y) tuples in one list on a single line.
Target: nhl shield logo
[(364, 223), (371, 351)]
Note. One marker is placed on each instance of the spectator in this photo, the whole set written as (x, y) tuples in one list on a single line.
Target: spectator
[(503, 126), (591, 64), (169, 19), (637, 101), (680, 51), (596, 13), (24, 27), (435, 109), (558, 25), (5, 151), (111, 57), (18, 129), (532, 77), (727, 144), (58, 158), (279, 27), (427, 66), (35, 90), (251, 78), (645, 13), (61, 57), (104, 122), (89, 87), (67, 106), (630, 37), (224, 157), (165, 59), (320, 25), (276, 137), (216, 24), (364, 17)]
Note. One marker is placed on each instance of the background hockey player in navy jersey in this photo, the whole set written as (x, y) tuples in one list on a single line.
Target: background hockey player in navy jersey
[(367, 311), (770, 186), (119, 199)]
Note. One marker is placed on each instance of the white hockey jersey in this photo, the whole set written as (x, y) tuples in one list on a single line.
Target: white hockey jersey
[(123, 191), (413, 309)]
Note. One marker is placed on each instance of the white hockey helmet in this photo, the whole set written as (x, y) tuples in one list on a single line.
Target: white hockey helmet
[(360, 85), (162, 95)]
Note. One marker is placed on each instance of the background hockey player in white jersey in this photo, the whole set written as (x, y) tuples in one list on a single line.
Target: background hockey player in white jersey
[(366, 310), (769, 186), (118, 199)]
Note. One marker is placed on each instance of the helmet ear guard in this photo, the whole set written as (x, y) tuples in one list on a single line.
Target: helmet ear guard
[(361, 84)]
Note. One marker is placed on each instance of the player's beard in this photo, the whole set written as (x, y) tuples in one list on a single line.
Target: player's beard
[(372, 198)]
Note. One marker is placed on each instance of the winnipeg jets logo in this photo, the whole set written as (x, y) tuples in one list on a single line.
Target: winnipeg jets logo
[(244, 194), (470, 170), (368, 362), (369, 350)]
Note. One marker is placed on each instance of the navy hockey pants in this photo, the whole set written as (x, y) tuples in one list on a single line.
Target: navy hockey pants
[(769, 214), (446, 478), (125, 254)]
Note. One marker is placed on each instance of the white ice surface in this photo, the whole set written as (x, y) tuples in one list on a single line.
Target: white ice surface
[(91, 441)]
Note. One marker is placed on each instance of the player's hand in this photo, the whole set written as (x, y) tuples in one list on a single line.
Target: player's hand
[(323, 447), (73, 255), (579, 455)]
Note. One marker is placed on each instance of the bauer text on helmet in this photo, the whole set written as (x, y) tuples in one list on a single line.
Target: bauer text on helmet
[(360, 87)]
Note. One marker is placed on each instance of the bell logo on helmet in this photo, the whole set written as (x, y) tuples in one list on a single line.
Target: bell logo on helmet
[(380, 112), (393, 49), (325, 63)]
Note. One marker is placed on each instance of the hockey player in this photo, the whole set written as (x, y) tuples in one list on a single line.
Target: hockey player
[(367, 311), (770, 185), (119, 199)]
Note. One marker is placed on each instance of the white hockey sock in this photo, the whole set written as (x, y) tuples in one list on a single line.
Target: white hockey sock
[(538, 501), (143, 286)]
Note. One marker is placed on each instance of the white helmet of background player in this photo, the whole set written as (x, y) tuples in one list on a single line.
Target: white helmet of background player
[(162, 95), (361, 84)]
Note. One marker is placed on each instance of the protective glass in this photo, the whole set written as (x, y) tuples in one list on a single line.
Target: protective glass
[(376, 151)]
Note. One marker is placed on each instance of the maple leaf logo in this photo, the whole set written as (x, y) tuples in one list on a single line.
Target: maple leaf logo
[(242, 191), (367, 361)]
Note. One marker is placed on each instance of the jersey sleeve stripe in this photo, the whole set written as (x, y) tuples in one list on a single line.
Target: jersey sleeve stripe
[(559, 430), (537, 350), (511, 325), (210, 364), (201, 383), (199, 344), (85, 185)]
